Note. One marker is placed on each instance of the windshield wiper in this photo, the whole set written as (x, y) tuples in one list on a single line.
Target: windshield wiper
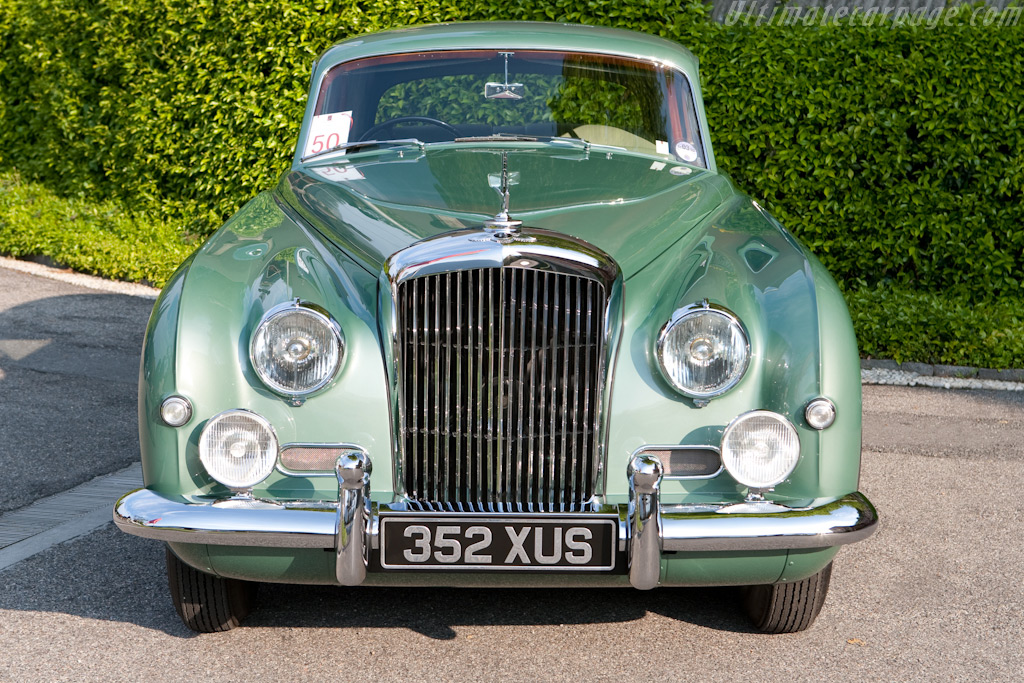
[(550, 139), (499, 137), (349, 146)]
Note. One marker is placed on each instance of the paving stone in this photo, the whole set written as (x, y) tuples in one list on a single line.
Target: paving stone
[(923, 369), (1013, 375), (955, 371)]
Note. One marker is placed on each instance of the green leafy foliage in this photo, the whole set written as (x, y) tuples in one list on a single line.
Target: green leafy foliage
[(908, 325), (896, 154), (89, 236), (895, 151), (457, 99)]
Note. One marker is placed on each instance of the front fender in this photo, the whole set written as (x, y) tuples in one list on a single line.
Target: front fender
[(802, 346), (257, 260)]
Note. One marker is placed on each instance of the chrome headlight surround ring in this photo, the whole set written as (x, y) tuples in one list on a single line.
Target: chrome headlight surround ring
[(324, 318), (692, 310)]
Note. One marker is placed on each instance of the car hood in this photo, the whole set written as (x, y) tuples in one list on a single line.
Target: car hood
[(633, 207)]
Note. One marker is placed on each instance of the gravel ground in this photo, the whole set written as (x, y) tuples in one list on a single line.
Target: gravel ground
[(913, 379)]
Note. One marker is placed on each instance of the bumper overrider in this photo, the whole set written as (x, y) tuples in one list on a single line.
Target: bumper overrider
[(351, 527)]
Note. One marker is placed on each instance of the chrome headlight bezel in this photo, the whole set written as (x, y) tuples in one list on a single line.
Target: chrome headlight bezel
[(686, 312), (322, 317)]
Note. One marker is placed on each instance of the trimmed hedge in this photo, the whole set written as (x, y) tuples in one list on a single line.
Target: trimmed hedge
[(942, 327), (895, 150)]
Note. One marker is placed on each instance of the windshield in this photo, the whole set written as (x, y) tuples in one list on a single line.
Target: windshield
[(472, 94)]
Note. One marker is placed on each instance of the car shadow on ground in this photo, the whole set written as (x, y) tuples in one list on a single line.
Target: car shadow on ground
[(111, 576), (436, 612)]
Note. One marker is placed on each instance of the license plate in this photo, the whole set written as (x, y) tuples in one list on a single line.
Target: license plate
[(467, 542)]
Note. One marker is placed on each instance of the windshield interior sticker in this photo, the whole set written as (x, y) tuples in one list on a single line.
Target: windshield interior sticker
[(686, 151), (679, 170), (327, 131), (343, 172), (657, 165), (661, 146)]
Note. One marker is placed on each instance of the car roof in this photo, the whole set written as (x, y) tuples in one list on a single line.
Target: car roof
[(512, 35)]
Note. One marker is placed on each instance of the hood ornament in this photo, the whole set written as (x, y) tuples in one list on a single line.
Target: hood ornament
[(503, 229), (501, 222)]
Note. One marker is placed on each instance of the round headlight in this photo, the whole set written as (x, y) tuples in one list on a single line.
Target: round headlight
[(238, 448), (296, 349), (703, 351), (760, 449)]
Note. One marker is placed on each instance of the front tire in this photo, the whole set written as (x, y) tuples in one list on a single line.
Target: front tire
[(206, 603), (787, 607)]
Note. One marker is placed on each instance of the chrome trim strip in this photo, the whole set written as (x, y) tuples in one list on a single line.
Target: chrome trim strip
[(644, 522), (353, 470)]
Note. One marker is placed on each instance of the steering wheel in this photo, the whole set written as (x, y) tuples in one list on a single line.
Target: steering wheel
[(391, 123)]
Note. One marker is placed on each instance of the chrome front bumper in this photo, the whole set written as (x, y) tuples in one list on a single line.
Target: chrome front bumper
[(647, 529)]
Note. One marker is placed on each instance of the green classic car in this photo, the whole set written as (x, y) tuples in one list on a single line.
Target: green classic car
[(502, 323)]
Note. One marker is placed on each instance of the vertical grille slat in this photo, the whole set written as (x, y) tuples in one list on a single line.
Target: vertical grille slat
[(575, 394), (500, 373), (414, 387), (552, 391), (448, 350), (542, 446), (489, 392), (458, 384), (508, 399), (479, 490), (532, 409), (519, 492), (586, 382), (433, 351)]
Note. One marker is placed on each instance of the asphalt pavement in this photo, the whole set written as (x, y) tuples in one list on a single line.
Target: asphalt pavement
[(935, 594), (69, 365)]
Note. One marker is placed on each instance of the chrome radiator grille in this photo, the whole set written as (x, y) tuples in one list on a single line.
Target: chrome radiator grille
[(500, 375)]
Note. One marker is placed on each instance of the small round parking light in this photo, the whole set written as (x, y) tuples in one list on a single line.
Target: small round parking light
[(820, 413), (175, 411)]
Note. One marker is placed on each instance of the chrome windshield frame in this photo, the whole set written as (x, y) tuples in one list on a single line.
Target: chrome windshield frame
[(700, 133)]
